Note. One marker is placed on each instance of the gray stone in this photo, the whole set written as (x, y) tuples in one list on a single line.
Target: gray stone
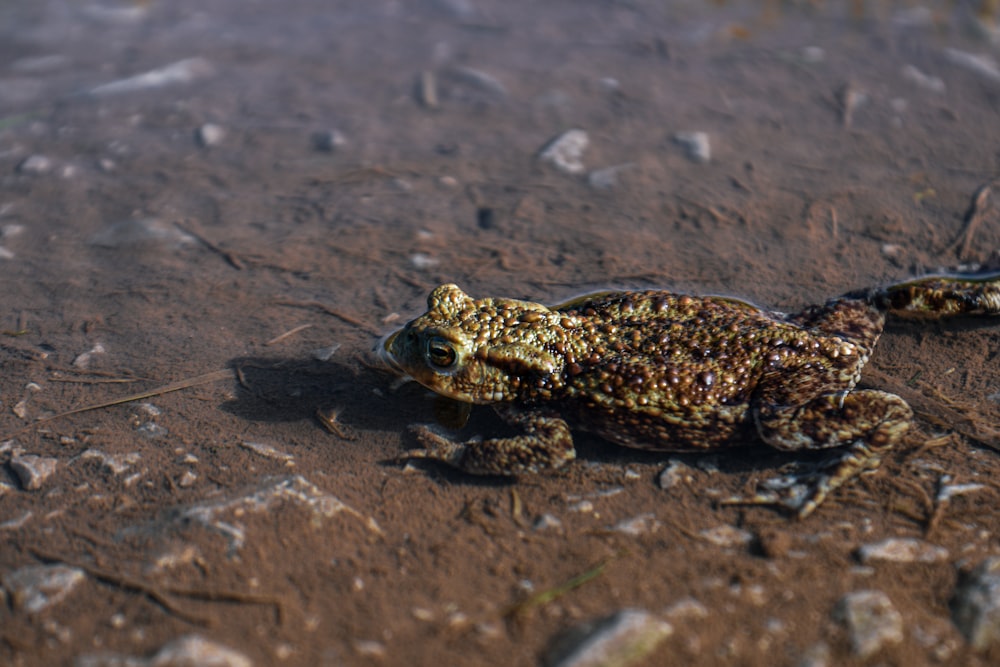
[(33, 470), (976, 605), (35, 165), (210, 134), (329, 140), (872, 621), (180, 72), (36, 587), (696, 144), (902, 550), (565, 152), (144, 231), (620, 640)]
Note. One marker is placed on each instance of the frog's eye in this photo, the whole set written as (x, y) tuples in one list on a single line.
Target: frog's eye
[(441, 353)]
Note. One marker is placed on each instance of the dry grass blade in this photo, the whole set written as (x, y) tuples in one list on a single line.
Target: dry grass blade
[(291, 332), (159, 391), (978, 209), (546, 596)]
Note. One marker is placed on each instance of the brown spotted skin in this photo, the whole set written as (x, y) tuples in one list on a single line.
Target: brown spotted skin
[(663, 371)]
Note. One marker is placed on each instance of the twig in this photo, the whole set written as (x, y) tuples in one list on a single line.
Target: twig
[(546, 596), (165, 389), (230, 258), (281, 337), (978, 208)]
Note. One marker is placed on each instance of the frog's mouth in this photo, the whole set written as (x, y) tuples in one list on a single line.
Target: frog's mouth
[(384, 351)]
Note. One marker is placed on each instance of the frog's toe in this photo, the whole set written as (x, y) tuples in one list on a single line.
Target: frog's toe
[(789, 492), (435, 446)]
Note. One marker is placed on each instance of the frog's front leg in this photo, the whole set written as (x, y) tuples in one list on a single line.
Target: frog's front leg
[(544, 444), (865, 423)]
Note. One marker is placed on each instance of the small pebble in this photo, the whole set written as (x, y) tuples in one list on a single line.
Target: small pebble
[(696, 144), (329, 141), (872, 622), (182, 71), (186, 651), (675, 473), (368, 648), (984, 66), (638, 525), (33, 470), (726, 536), (478, 80), (902, 550), (267, 451), (813, 54), (325, 353), (931, 83), (35, 165), (565, 152), (187, 479), (209, 135), (36, 587), (547, 522), (422, 261), (141, 232)]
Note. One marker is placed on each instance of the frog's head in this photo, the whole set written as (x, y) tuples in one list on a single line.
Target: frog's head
[(474, 350)]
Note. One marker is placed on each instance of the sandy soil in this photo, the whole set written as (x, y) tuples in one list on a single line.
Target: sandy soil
[(138, 253)]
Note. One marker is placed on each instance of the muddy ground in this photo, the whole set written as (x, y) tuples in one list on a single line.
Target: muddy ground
[(359, 154)]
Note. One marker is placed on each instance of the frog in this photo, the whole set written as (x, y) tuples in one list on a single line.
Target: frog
[(673, 372)]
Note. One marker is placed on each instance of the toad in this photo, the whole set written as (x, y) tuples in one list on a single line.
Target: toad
[(671, 372)]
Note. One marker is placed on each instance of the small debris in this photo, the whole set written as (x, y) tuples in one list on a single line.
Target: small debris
[(83, 359), (20, 408), (144, 231), (675, 473), (187, 480), (35, 165), (422, 261), (566, 151), (325, 353), (872, 621), (602, 179), (209, 135), (18, 521), (622, 639), (850, 99), (329, 141), (182, 71), (902, 550), (114, 463), (267, 451), (976, 605), (36, 587), (931, 83), (547, 522), (479, 81), (32, 470), (369, 648), (984, 66), (817, 655), (427, 92), (6, 254), (637, 525), (182, 652), (726, 536), (696, 144), (687, 608)]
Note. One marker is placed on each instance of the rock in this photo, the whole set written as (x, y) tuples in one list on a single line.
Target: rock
[(696, 144), (902, 550), (209, 135), (422, 261), (83, 359), (565, 152), (622, 639), (325, 353), (187, 651), (872, 621), (36, 587), (33, 470), (478, 81), (114, 463), (976, 605), (984, 66), (35, 165), (328, 141)]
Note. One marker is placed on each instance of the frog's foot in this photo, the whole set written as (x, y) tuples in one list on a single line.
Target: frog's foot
[(545, 444), (801, 494), (865, 424)]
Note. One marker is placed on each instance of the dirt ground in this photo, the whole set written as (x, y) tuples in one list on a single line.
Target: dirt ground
[(297, 176)]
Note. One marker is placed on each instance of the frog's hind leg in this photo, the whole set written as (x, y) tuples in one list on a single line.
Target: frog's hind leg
[(941, 296), (545, 443), (866, 424)]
